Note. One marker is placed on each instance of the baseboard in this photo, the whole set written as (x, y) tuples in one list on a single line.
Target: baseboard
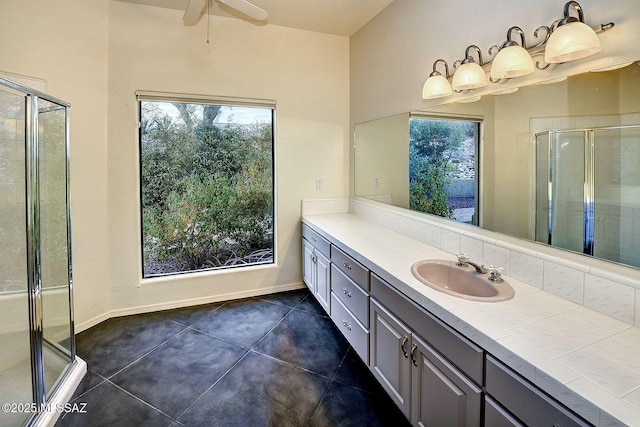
[(185, 303)]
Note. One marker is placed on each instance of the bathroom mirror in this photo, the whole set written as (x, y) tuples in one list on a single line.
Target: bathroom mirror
[(557, 162)]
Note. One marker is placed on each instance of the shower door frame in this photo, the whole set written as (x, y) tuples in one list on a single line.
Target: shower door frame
[(589, 222), (34, 278)]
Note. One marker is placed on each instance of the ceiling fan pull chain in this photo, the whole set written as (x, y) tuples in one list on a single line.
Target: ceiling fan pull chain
[(208, 18)]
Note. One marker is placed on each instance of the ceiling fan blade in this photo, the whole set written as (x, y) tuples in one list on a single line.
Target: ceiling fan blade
[(246, 8), (194, 12)]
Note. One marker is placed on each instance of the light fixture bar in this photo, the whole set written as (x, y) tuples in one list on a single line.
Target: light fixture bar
[(469, 74)]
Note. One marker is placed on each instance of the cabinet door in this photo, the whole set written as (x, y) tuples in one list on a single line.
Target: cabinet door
[(441, 394), (389, 353), (308, 265), (323, 282)]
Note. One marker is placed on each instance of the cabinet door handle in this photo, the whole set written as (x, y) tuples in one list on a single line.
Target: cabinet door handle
[(413, 352), (313, 239), (346, 324), (346, 265), (404, 348), (346, 292)]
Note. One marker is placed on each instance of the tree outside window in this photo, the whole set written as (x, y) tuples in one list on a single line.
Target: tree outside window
[(206, 186), (442, 167)]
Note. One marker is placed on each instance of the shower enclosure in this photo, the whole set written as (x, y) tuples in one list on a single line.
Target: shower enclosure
[(588, 191), (38, 367)]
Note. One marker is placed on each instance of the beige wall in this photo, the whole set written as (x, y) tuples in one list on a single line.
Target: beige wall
[(306, 74), (382, 153), (96, 54), (65, 43)]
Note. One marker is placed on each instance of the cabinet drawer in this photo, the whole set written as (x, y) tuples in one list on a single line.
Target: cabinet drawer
[(352, 296), (458, 349), (496, 416), (524, 400), (350, 267), (321, 244), (354, 332)]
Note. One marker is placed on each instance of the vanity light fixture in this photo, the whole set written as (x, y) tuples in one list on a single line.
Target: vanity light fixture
[(512, 60), (470, 100), (572, 39), (566, 39), (437, 85), (470, 74), (612, 67)]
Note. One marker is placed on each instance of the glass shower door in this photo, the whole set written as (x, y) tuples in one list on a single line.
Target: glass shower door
[(568, 189), (15, 354), (617, 194), (54, 258)]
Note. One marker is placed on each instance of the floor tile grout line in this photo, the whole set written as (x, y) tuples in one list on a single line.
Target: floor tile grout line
[(142, 400), (272, 328), (92, 388), (214, 384), (145, 354), (332, 380), (291, 364), (225, 340)]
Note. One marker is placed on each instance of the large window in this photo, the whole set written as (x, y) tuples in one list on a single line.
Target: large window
[(206, 183), (443, 167)]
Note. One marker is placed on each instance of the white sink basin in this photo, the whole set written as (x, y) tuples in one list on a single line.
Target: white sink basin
[(463, 282)]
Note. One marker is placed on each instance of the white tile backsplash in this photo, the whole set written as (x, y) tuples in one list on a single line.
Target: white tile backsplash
[(564, 282), (450, 241), (526, 268), (495, 255), (608, 290), (472, 247), (610, 298)]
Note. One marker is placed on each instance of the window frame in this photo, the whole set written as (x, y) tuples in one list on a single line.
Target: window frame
[(479, 121), (150, 96)]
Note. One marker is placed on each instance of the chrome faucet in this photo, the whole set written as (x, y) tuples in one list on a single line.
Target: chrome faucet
[(463, 261), (493, 271)]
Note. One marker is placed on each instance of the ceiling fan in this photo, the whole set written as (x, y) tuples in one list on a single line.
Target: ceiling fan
[(196, 9)]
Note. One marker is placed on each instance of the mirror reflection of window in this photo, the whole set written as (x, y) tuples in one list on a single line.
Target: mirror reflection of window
[(443, 167)]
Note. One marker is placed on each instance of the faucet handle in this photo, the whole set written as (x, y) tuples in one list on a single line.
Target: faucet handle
[(495, 273), (463, 259)]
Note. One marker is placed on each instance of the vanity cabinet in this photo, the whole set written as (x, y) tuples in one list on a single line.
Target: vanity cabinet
[(435, 375), (526, 404), (425, 384), (316, 267)]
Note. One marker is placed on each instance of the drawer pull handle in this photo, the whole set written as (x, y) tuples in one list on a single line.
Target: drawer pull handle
[(313, 239), (346, 325), (403, 347), (413, 351), (346, 292), (346, 265)]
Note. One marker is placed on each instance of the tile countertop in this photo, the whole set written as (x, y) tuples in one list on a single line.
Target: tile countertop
[(584, 359)]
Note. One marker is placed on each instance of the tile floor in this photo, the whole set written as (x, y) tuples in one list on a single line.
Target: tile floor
[(275, 360)]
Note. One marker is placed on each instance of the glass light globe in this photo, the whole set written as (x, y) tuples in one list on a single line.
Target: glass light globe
[(436, 86), (571, 41), (511, 61), (469, 76)]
